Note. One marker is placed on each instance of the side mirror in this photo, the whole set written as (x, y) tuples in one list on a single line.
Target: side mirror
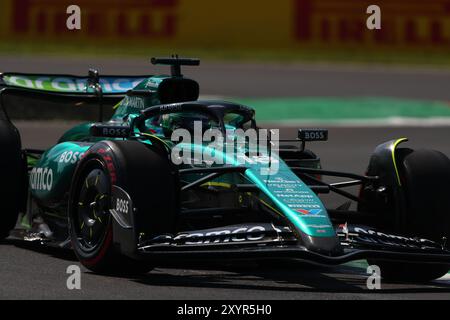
[(94, 83), (93, 78)]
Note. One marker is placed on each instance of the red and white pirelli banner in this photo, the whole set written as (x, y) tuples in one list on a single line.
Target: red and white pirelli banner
[(237, 23)]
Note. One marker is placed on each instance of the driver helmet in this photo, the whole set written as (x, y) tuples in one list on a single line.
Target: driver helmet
[(173, 121)]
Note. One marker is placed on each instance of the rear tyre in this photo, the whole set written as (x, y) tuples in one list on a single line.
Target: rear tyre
[(14, 173), (424, 176), (131, 166)]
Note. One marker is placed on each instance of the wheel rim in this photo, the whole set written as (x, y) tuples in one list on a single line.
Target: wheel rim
[(91, 219)]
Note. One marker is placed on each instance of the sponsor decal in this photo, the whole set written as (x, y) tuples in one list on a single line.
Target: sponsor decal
[(313, 134), (243, 233), (171, 108), (361, 230), (41, 179), (237, 235), (152, 84), (309, 211), (70, 84), (122, 205), (70, 157), (146, 19), (109, 164), (296, 22), (346, 22), (114, 132), (367, 235), (133, 102)]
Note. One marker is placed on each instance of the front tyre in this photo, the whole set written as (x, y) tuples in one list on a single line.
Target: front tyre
[(90, 223)]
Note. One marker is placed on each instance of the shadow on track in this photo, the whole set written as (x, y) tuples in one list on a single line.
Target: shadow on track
[(282, 280), (60, 253), (293, 277)]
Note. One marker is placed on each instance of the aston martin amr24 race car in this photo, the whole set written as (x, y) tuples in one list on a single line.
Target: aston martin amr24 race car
[(111, 191)]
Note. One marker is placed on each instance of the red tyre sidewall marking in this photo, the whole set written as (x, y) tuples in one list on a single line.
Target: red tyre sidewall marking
[(109, 236), (102, 253)]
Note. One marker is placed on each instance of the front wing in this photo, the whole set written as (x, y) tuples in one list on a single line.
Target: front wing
[(266, 241)]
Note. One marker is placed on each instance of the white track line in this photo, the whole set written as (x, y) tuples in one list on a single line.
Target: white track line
[(384, 122)]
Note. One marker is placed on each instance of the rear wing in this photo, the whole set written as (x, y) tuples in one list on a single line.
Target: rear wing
[(58, 83), (31, 93)]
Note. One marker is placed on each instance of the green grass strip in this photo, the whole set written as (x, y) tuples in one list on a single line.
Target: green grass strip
[(282, 109)]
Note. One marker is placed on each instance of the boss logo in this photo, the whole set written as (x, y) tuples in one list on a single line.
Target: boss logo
[(70, 157), (313, 134), (99, 130), (122, 205), (114, 132)]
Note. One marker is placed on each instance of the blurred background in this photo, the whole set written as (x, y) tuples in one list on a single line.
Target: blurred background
[(266, 53), (286, 30), (299, 63), (295, 61)]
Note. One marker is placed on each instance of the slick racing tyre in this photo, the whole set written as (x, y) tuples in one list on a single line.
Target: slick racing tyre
[(14, 172), (424, 176), (145, 175)]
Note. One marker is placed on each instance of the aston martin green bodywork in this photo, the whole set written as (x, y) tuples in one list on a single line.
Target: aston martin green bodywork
[(285, 192)]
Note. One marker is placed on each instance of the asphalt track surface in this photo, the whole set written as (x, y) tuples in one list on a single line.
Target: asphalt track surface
[(28, 272)]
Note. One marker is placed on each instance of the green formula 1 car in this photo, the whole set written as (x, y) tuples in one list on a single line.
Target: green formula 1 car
[(126, 196)]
